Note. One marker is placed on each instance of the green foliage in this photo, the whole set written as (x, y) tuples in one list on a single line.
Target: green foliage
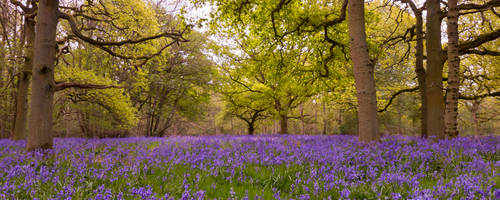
[(114, 101), (161, 81), (284, 52), (176, 84), (129, 19)]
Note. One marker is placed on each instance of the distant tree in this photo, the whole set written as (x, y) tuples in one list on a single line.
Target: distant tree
[(175, 85), (247, 106)]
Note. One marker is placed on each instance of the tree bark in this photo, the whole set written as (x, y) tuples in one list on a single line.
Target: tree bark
[(283, 124), (363, 73), (24, 81), (3, 63), (420, 71), (451, 111), (43, 87), (434, 73)]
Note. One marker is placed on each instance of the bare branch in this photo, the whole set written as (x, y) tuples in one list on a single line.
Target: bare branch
[(339, 19), (277, 10), (62, 86), (105, 46), (471, 6), (465, 47), (395, 95), (481, 39), (72, 22), (484, 52), (493, 94)]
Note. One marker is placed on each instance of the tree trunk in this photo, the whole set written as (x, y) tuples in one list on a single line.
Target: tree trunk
[(340, 118), (434, 74), (148, 125), (400, 119), (150, 117), (325, 119), (283, 124), (302, 120), (82, 123), (232, 126), (67, 119), (12, 104), (251, 129), (3, 63), (43, 87), (451, 111), (24, 81), (420, 71), (363, 73), (474, 108)]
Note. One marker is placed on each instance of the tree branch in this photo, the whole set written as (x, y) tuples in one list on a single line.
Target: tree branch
[(105, 46), (465, 47), (277, 10), (481, 39), (341, 18), (239, 82), (72, 22), (471, 6), (65, 85), (493, 94), (395, 95), (476, 8), (484, 52)]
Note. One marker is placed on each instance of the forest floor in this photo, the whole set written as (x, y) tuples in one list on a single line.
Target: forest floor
[(258, 167)]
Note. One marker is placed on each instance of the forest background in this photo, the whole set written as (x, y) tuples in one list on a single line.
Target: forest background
[(248, 67)]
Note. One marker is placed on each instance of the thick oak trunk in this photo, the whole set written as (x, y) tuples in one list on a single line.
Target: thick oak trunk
[(24, 82), (43, 87), (434, 73), (451, 111), (363, 73)]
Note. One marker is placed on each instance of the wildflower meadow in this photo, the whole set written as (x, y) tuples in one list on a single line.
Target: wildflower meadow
[(253, 167)]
